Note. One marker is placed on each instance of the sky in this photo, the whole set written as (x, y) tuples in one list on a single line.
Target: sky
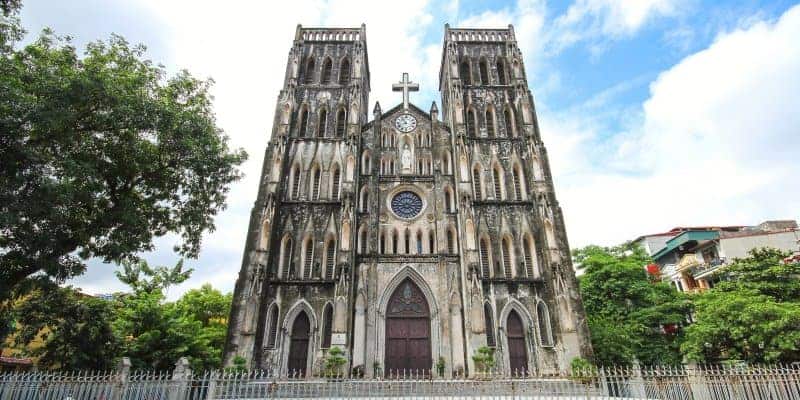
[(655, 113)]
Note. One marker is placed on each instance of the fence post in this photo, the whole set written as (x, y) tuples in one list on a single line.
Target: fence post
[(637, 384), (181, 379), (697, 382), (121, 378)]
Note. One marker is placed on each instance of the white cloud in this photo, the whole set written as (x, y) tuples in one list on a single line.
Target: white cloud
[(717, 144)]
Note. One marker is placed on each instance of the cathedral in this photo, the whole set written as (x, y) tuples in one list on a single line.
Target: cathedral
[(407, 238)]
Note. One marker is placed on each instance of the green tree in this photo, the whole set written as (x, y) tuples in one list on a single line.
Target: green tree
[(626, 308), (75, 329), (100, 154), (754, 316), (210, 308)]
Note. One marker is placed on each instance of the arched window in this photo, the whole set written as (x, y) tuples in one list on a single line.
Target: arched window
[(322, 128), (484, 70), (295, 191), (363, 205), (451, 241), (447, 165), (490, 123), (327, 322), (395, 240), (362, 240), (509, 122), (419, 242), (508, 267), (383, 242), (327, 67), (488, 321), (485, 248), (286, 257), (501, 72), (528, 251), (272, 326), (407, 241), (464, 72), (476, 182), (340, 122), (448, 198), (344, 72), (335, 183), (517, 183), (330, 259), (545, 331), (309, 72), (308, 257), (431, 241), (498, 184), (366, 163), (471, 124), (315, 178), (303, 126)]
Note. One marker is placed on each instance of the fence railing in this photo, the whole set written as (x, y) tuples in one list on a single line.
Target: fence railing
[(763, 382)]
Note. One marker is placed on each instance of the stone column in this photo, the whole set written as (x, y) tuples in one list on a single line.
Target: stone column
[(456, 334), (359, 334), (123, 374), (181, 380)]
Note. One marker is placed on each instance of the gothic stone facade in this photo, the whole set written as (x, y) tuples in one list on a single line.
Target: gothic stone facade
[(406, 239)]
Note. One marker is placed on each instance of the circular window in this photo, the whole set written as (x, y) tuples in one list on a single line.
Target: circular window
[(406, 204)]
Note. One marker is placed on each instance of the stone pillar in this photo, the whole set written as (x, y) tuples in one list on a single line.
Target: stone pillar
[(123, 374), (181, 380), (359, 334), (456, 334)]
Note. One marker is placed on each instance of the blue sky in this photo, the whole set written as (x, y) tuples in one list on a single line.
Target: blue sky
[(655, 113)]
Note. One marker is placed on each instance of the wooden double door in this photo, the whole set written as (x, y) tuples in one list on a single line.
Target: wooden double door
[(517, 349), (298, 345), (408, 332)]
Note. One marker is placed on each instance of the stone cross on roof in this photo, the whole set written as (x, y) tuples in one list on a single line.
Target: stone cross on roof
[(405, 86)]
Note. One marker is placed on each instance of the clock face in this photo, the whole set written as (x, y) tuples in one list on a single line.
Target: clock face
[(405, 123)]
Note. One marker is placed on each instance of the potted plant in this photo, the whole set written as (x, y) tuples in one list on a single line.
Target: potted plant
[(484, 360), (440, 367), (334, 361)]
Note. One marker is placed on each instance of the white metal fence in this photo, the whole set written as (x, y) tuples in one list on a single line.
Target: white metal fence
[(713, 383)]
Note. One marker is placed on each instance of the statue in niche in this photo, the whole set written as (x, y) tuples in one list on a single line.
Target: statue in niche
[(405, 158)]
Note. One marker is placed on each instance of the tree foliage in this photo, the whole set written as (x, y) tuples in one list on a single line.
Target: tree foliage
[(626, 308), (753, 316), (100, 154)]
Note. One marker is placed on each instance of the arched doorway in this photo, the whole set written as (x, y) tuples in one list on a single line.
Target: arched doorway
[(517, 350), (298, 346), (408, 331)]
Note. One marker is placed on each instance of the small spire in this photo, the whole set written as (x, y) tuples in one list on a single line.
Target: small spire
[(377, 109), (433, 107)]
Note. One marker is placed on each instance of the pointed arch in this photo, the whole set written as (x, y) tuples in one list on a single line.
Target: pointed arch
[(471, 123), (344, 71), (362, 240), (327, 68), (383, 245), (508, 121), (508, 257), (452, 241), (330, 259), (263, 242), (490, 123), (308, 257), (485, 248), (529, 252), (285, 257), (519, 182), (465, 72), (447, 163), (302, 127), (515, 320), (308, 73), (295, 179), (407, 241), (366, 163), (543, 320), (432, 241), (483, 68), (419, 242), (341, 119), (488, 321), (449, 205), (497, 177), (395, 240), (299, 316), (336, 182), (327, 325), (316, 176), (271, 330), (502, 78), (363, 204), (477, 186), (322, 123)]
